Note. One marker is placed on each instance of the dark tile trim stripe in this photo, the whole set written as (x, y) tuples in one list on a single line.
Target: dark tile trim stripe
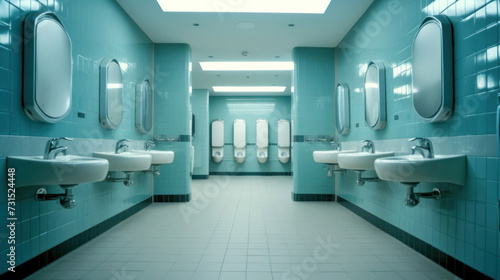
[(252, 144), (252, 173), (31, 266), (199, 177), (312, 197), (169, 198), (298, 138), (184, 138), (450, 263)]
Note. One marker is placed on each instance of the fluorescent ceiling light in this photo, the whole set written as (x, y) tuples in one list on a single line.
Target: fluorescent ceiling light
[(248, 89), (247, 66), (254, 6)]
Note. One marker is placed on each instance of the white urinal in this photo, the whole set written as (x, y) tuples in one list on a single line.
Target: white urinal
[(262, 140), (239, 140), (283, 141), (217, 140)]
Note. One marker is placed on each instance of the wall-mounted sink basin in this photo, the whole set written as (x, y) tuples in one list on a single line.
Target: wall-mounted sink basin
[(126, 161), (415, 169), (361, 160), (329, 157), (63, 170), (157, 157)]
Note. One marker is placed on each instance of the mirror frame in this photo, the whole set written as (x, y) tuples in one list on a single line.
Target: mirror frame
[(441, 90), (382, 114), (193, 125), (144, 106), (342, 110), (104, 101), (47, 75)]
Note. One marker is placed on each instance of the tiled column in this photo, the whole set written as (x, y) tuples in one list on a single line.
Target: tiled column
[(172, 120), (312, 119), (199, 101)]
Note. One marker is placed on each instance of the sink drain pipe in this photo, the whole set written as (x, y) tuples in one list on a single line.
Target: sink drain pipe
[(412, 198)]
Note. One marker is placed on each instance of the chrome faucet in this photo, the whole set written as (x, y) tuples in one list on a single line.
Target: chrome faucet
[(149, 145), (52, 148), (368, 147), (121, 145), (425, 148), (336, 145)]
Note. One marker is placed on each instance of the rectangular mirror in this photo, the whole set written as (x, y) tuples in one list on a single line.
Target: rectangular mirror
[(47, 68)]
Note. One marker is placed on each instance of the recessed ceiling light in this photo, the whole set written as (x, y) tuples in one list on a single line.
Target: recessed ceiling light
[(254, 6), (248, 89), (291, 25), (246, 65), (196, 24)]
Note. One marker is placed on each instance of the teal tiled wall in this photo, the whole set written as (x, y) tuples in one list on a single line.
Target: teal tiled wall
[(98, 29), (464, 224), (172, 116), (250, 109), (312, 117), (201, 140)]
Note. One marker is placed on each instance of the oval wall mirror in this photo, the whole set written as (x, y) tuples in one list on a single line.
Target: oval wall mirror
[(375, 112), (432, 79), (144, 106), (342, 108), (47, 68), (110, 96)]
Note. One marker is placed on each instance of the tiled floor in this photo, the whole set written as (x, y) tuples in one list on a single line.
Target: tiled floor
[(243, 228)]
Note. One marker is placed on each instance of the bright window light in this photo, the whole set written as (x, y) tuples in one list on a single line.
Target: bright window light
[(114, 86), (371, 85), (248, 89), (240, 6), (247, 66)]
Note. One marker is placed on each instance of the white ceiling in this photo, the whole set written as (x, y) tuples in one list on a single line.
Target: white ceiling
[(219, 35)]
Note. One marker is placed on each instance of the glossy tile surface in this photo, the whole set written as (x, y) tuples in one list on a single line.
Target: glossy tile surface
[(201, 140), (244, 228), (312, 117), (98, 29), (465, 223), (249, 108), (172, 115)]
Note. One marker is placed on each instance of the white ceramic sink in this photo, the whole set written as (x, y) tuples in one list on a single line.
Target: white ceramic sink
[(415, 168), (329, 157), (157, 157), (126, 161), (361, 160), (63, 170)]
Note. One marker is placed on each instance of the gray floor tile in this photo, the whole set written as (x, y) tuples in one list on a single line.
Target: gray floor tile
[(249, 230)]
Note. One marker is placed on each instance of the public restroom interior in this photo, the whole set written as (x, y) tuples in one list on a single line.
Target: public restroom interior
[(238, 202)]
